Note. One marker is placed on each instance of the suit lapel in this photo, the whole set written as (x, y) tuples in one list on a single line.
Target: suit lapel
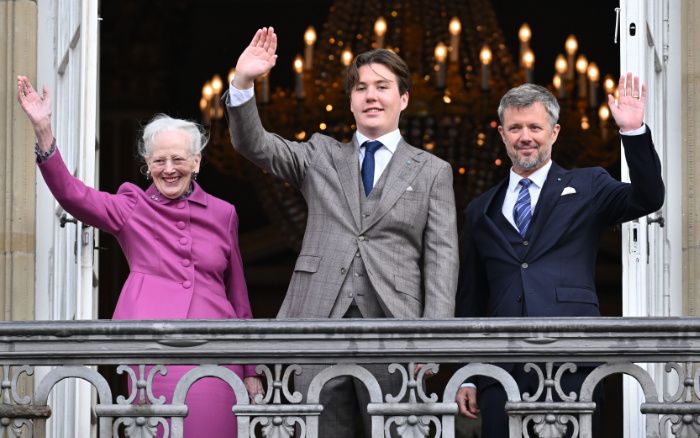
[(400, 172), (345, 158), (557, 179), (494, 230)]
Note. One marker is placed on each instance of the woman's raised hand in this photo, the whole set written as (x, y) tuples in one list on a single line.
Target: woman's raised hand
[(38, 110)]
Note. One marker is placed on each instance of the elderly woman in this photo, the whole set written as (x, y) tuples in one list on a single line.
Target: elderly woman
[(180, 242)]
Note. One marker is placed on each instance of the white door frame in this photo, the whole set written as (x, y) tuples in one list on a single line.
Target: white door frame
[(67, 47), (651, 280)]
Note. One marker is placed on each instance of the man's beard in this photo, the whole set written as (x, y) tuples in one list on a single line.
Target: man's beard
[(527, 163)]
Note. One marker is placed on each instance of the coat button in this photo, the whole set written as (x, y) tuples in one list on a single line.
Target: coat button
[(524, 266), (519, 299), (185, 262), (187, 284), (180, 225), (181, 205), (342, 271), (183, 241), (361, 238), (525, 243)]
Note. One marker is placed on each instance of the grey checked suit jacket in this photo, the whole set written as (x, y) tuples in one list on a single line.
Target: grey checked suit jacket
[(408, 245)]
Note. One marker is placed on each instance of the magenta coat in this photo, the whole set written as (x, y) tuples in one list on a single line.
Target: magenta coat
[(183, 255)]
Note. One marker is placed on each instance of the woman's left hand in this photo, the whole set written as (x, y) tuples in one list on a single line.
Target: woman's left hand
[(254, 386)]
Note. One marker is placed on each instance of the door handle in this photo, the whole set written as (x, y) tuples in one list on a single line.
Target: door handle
[(64, 219), (657, 220)]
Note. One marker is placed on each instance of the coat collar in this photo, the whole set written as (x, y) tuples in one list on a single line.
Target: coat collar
[(346, 162), (405, 164), (400, 173), (198, 195), (491, 196), (557, 178)]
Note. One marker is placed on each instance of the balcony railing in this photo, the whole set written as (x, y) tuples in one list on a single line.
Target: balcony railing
[(615, 345)]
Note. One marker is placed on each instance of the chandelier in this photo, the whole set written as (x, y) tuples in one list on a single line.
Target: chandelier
[(460, 68)]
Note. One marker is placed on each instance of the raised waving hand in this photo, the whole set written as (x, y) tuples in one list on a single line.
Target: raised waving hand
[(628, 111), (257, 59), (38, 110)]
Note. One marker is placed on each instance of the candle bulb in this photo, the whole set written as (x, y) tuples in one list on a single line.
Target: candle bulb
[(309, 40), (379, 31), (604, 115), (455, 31), (593, 77), (609, 85), (561, 66), (556, 82), (571, 46), (208, 91), (485, 56), (524, 35), (581, 68), (298, 77), (440, 56), (231, 74), (528, 62), (216, 85), (204, 102), (346, 57), (265, 88)]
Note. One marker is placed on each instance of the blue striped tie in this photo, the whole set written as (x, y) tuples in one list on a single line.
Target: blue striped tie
[(367, 170), (522, 212)]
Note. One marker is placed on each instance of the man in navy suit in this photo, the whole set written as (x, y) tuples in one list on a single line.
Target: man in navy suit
[(530, 243)]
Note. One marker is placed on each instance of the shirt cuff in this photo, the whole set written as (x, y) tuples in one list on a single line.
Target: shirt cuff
[(467, 385), (42, 156), (238, 97), (639, 131)]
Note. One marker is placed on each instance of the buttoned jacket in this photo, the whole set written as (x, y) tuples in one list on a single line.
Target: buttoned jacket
[(408, 244), (551, 270), (183, 255)]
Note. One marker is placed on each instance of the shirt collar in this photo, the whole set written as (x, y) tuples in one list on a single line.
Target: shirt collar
[(538, 177), (390, 140)]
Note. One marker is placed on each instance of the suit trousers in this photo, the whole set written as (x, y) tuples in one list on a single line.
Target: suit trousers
[(345, 399), (492, 400)]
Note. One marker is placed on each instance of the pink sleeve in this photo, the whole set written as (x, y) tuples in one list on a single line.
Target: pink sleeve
[(236, 289), (101, 210)]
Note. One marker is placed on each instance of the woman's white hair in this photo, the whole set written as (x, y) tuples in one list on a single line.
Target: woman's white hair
[(163, 122)]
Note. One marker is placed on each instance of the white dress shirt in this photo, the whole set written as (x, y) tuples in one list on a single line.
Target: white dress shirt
[(383, 155), (538, 178)]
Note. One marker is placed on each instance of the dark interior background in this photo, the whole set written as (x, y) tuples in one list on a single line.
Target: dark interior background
[(156, 55)]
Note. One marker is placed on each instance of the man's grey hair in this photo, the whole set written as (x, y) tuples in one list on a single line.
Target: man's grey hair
[(526, 95)]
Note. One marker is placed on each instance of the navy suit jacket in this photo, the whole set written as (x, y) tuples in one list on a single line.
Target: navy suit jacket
[(550, 272)]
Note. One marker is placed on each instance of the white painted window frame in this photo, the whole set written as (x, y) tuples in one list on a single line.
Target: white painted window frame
[(652, 255), (67, 64)]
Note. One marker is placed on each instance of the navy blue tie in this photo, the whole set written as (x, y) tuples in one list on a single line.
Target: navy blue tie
[(368, 164), (522, 212)]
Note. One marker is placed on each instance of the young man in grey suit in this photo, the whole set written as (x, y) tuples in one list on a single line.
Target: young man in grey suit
[(381, 237)]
